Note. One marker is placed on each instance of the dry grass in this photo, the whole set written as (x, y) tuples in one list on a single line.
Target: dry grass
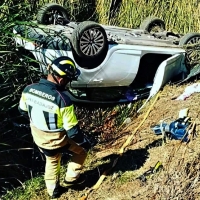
[(179, 16), (180, 176)]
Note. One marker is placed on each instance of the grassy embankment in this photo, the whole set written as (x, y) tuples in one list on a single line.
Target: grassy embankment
[(15, 74)]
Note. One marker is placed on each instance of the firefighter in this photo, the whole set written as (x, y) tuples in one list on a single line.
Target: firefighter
[(54, 125)]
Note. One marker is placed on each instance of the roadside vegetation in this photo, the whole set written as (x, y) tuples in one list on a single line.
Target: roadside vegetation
[(22, 165)]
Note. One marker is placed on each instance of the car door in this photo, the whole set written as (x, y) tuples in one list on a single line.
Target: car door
[(119, 68), (168, 69)]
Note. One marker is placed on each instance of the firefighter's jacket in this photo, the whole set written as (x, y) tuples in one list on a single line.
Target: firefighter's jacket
[(51, 114)]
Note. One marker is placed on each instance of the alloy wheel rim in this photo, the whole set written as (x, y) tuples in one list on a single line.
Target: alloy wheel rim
[(91, 42), (193, 53)]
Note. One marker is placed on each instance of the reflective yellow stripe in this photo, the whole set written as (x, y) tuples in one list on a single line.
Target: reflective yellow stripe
[(58, 70), (67, 62), (68, 116)]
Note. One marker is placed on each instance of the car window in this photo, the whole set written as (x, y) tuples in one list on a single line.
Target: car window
[(43, 38), (56, 43)]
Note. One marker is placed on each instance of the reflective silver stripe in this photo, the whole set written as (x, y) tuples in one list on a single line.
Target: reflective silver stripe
[(71, 173), (52, 121)]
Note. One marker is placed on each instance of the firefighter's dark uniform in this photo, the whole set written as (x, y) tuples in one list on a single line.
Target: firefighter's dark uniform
[(54, 126)]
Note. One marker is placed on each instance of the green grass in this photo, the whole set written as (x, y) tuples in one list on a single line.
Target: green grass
[(29, 189)]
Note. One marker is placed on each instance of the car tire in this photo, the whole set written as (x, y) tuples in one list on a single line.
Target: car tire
[(153, 24), (89, 42), (188, 41), (46, 12), (189, 38)]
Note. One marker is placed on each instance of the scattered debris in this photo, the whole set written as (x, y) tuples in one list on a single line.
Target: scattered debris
[(148, 174), (179, 129), (189, 90)]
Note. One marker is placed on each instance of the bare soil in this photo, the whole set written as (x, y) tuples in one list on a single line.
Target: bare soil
[(179, 177)]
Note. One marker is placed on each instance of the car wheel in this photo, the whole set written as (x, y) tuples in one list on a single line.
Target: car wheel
[(89, 41), (191, 42), (153, 24), (52, 13)]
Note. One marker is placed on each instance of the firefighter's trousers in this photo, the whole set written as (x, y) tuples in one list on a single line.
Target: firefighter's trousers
[(52, 168)]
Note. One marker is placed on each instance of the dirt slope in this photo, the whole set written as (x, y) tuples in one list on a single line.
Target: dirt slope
[(179, 178)]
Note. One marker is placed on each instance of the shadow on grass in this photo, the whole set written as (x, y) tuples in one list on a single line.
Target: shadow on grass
[(155, 143), (31, 163), (129, 161)]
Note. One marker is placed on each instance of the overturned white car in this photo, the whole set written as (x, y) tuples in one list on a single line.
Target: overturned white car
[(117, 64)]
